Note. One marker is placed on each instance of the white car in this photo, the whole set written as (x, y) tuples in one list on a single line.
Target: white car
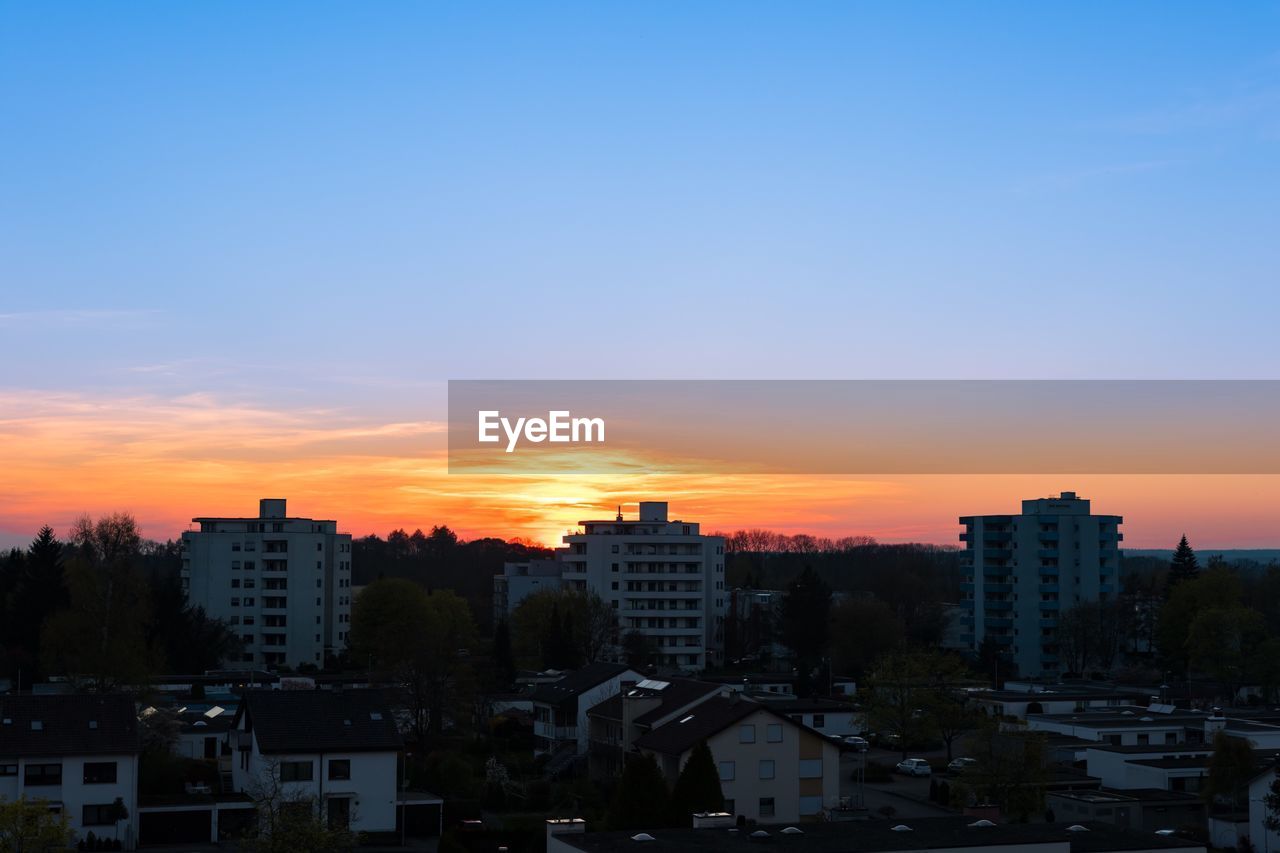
[(858, 743), (915, 767)]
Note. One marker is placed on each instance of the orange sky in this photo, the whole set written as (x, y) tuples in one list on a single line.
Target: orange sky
[(167, 460)]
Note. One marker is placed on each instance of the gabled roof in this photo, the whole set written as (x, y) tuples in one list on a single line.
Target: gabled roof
[(68, 724), (709, 718), (309, 721), (678, 693), (577, 682)]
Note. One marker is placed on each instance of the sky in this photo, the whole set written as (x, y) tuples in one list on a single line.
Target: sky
[(244, 246)]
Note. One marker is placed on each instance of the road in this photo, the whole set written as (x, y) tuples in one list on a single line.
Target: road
[(908, 796)]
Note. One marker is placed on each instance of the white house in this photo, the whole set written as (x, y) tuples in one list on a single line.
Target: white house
[(560, 707), (338, 749), (772, 769), (78, 752)]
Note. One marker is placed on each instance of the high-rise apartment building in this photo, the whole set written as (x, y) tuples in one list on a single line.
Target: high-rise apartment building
[(1023, 571), (664, 579), (283, 584)]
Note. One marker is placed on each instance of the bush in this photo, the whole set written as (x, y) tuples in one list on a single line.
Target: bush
[(878, 773)]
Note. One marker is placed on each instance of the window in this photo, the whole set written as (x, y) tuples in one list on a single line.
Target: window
[(810, 806), (766, 768), (747, 734), (43, 774), (766, 807), (99, 772), (727, 771), (296, 771), (819, 720), (811, 768), (773, 733), (235, 583), (8, 770), (99, 815), (340, 768), (1144, 739)]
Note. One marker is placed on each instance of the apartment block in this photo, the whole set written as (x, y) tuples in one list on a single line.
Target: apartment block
[(282, 583), (664, 578), (1022, 571)]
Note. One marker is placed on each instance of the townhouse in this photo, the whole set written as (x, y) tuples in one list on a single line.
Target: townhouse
[(560, 707), (80, 754)]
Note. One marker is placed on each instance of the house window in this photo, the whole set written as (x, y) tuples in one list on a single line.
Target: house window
[(1144, 739), (99, 772), (747, 733), (727, 770), (295, 771), (773, 733), (766, 768), (766, 807), (8, 770), (811, 768), (819, 720), (340, 768), (810, 806), (98, 815), (43, 774)]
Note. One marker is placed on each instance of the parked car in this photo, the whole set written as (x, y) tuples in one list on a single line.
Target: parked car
[(960, 765), (859, 743), (915, 767)]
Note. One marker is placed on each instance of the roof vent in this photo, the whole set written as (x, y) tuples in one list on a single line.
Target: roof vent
[(93, 724), (1075, 827), (375, 715), (1146, 719), (981, 824), (791, 830), (902, 827), (346, 722), (759, 833), (1166, 831), (37, 726), (643, 836), (8, 721)]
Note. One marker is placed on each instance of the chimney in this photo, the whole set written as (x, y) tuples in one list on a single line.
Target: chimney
[(712, 820), (563, 826), (1216, 723)]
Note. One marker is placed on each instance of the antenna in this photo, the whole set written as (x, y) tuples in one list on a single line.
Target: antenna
[(619, 518)]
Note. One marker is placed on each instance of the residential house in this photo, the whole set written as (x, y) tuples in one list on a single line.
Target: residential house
[(80, 753), (772, 769), (616, 724), (337, 749), (560, 707)]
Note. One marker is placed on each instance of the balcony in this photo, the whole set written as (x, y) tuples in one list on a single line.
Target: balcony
[(998, 587), (1049, 572), (1048, 587), (1050, 605), (997, 554), (998, 606), (1048, 553), (998, 622)]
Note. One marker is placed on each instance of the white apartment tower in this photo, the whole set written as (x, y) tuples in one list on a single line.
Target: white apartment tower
[(664, 579), (1023, 571), (283, 584)]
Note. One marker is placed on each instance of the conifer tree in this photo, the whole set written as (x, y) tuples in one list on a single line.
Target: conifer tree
[(698, 787), (1183, 566)]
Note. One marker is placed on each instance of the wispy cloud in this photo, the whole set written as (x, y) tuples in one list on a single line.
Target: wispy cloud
[(81, 317)]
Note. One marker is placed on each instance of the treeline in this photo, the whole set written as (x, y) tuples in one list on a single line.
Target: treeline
[(103, 607), (440, 560)]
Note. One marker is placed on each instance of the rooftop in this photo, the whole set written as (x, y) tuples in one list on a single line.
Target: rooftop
[(310, 721), (709, 718), (673, 694), (68, 724), (879, 835), (576, 683)]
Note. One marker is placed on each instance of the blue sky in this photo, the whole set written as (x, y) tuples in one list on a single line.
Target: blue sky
[(302, 202)]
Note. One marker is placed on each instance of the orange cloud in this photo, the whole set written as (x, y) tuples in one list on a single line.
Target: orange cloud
[(169, 459)]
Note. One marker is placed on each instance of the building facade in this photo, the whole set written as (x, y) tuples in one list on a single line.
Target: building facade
[(283, 584), (77, 752), (518, 581), (664, 579), (1022, 571)]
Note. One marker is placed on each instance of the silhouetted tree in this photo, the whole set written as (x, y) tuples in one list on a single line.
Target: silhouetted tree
[(641, 800), (1183, 566), (806, 627), (503, 658)]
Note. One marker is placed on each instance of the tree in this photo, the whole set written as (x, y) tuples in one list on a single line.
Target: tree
[(638, 650), (896, 696), (503, 657), (946, 704), (863, 629), (1090, 635), (641, 800), (1218, 588), (1010, 771), (417, 640), (805, 624), (697, 788), (562, 628), (101, 637), (1183, 566), (1231, 768), (1222, 642), (29, 825), (290, 821), (1271, 804)]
